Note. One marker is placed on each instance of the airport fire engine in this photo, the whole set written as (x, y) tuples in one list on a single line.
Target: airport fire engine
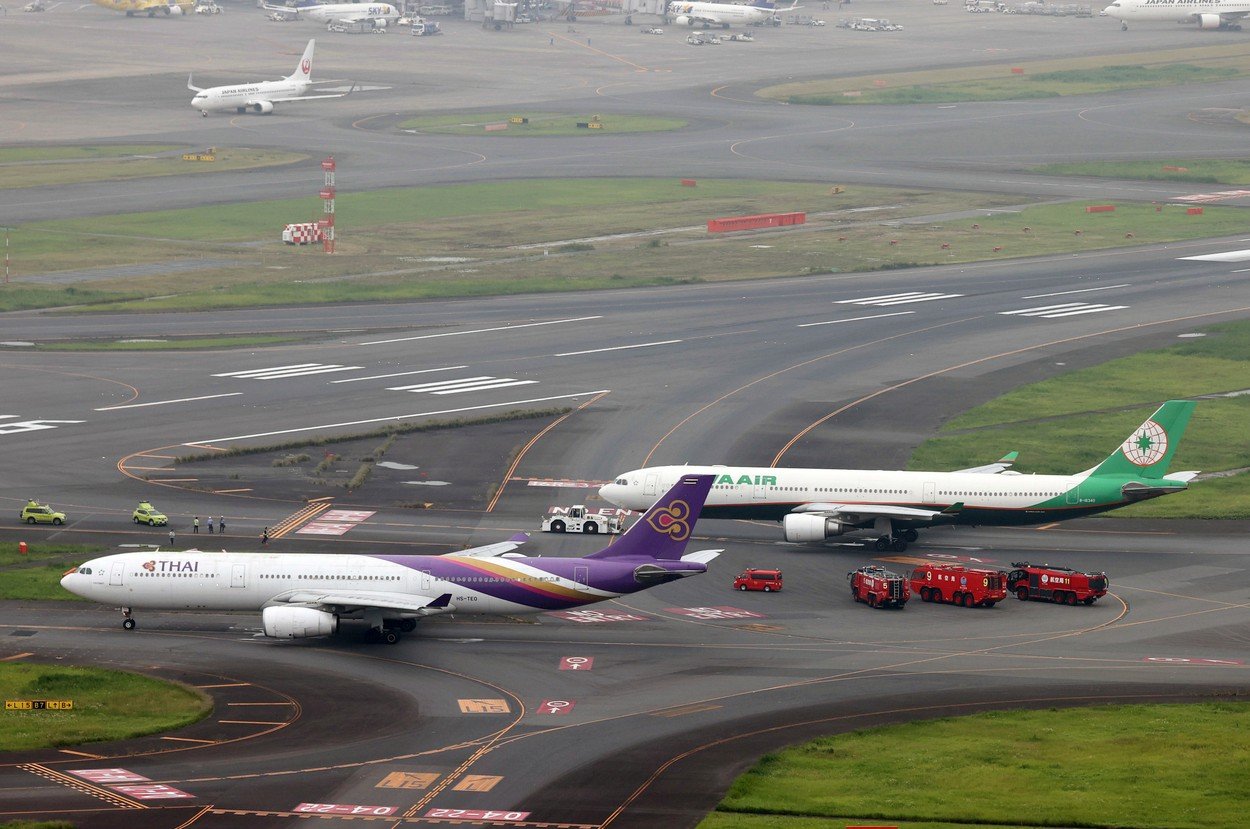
[(1060, 585), (878, 587), (958, 584), (578, 520)]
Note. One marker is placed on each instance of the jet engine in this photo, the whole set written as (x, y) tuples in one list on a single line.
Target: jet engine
[(263, 107), (1209, 21), (380, 23), (807, 528), (297, 622), (683, 20)]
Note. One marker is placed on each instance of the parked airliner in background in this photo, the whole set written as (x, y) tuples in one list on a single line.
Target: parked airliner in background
[(260, 96), (149, 7), (300, 595), (1208, 14), (817, 504), (723, 14), (383, 14)]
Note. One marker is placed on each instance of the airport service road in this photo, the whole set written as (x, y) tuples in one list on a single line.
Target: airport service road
[(676, 689), (108, 78)]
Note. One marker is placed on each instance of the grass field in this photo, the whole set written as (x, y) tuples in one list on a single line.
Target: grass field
[(1074, 421), (1197, 171), (550, 236), (1145, 767), (1038, 79), (36, 576), (31, 167), (108, 705), (545, 124)]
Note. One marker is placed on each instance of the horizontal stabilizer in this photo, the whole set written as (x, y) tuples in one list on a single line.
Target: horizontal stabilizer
[(1137, 491), (493, 550), (701, 556)]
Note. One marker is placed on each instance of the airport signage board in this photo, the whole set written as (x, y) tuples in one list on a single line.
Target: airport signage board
[(38, 705)]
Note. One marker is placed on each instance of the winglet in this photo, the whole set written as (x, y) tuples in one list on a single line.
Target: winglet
[(953, 509), (439, 603)]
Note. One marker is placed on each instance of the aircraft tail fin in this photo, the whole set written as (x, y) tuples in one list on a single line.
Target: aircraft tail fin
[(663, 530), (190, 85), (303, 69), (1148, 451)]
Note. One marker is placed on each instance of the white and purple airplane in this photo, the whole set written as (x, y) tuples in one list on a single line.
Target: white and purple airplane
[(302, 595)]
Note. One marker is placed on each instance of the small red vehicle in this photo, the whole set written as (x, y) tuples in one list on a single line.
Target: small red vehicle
[(878, 587), (758, 579), (957, 584), (1060, 585)]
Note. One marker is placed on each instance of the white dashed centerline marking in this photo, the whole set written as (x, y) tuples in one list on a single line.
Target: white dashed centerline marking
[(1080, 291), (167, 402), (616, 348), (482, 330)]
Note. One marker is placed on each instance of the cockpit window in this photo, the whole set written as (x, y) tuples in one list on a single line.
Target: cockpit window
[(86, 571), (622, 481)]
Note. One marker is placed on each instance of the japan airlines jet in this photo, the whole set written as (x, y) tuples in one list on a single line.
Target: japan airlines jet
[(347, 12), (1208, 14), (723, 14), (817, 504), (301, 595), (260, 96)]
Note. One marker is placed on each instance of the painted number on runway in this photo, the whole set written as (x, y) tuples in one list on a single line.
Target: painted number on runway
[(150, 791), (478, 814), (719, 612), (595, 617), (556, 706), (20, 426), (344, 809), (577, 663), (109, 776), (1184, 660)]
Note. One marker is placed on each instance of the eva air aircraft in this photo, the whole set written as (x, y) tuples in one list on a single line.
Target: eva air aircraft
[(817, 504)]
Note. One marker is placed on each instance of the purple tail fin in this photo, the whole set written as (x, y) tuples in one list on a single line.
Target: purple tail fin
[(663, 531)]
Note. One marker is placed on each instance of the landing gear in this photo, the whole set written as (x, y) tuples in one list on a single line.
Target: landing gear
[(387, 635), (203, 113), (896, 543), (127, 622), (1124, 27)]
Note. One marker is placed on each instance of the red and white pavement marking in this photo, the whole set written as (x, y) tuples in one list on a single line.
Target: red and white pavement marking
[(109, 776), (556, 706), (150, 791), (344, 809), (334, 522), (478, 814), (577, 663), (606, 512), (720, 612), (1219, 195), (594, 617)]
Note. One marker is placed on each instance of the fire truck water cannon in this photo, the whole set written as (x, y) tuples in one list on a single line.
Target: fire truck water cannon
[(1061, 585), (959, 585), (878, 587)]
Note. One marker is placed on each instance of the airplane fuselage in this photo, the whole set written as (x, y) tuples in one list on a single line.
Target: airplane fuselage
[(1210, 14), (195, 580), (245, 96), (721, 14)]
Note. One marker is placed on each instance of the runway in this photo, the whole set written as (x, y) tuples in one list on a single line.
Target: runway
[(468, 722)]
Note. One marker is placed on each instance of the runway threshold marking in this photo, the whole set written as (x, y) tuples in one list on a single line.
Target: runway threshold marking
[(98, 792)]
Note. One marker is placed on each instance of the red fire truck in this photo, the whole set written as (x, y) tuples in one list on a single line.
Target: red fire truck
[(958, 584), (1060, 585), (878, 587)]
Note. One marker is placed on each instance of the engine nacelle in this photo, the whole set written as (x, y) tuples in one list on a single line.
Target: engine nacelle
[(683, 20), (297, 622), (1209, 21), (380, 23), (808, 528), (263, 107)]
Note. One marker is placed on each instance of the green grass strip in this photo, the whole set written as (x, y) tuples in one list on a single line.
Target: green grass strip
[(544, 124), (108, 705), (1145, 767)]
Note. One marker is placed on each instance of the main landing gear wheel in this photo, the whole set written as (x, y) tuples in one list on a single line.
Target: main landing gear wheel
[(882, 544), (910, 536), (127, 622)]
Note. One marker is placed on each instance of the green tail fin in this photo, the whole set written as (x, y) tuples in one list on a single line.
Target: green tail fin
[(1149, 450)]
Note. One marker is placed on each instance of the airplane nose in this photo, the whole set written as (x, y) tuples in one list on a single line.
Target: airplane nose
[(607, 491)]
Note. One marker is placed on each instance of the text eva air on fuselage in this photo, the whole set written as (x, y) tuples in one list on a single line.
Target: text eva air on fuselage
[(817, 504)]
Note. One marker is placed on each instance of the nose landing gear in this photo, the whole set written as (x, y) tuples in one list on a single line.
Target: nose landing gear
[(127, 622)]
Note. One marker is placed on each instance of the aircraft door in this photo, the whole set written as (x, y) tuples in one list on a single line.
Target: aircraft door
[(427, 581), (760, 492), (238, 575), (930, 492), (1074, 494), (115, 574), (581, 577), (648, 488)]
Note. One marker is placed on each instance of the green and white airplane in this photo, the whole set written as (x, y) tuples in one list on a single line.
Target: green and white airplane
[(818, 504)]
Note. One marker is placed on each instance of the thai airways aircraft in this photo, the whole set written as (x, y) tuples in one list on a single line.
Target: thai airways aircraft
[(300, 595), (348, 12), (1208, 14), (260, 96), (723, 14), (817, 504), (149, 7)]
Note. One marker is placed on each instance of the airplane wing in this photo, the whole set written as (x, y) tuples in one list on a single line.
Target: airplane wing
[(709, 19), (254, 101), (493, 550), (997, 466), (862, 515), (346, 601)]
